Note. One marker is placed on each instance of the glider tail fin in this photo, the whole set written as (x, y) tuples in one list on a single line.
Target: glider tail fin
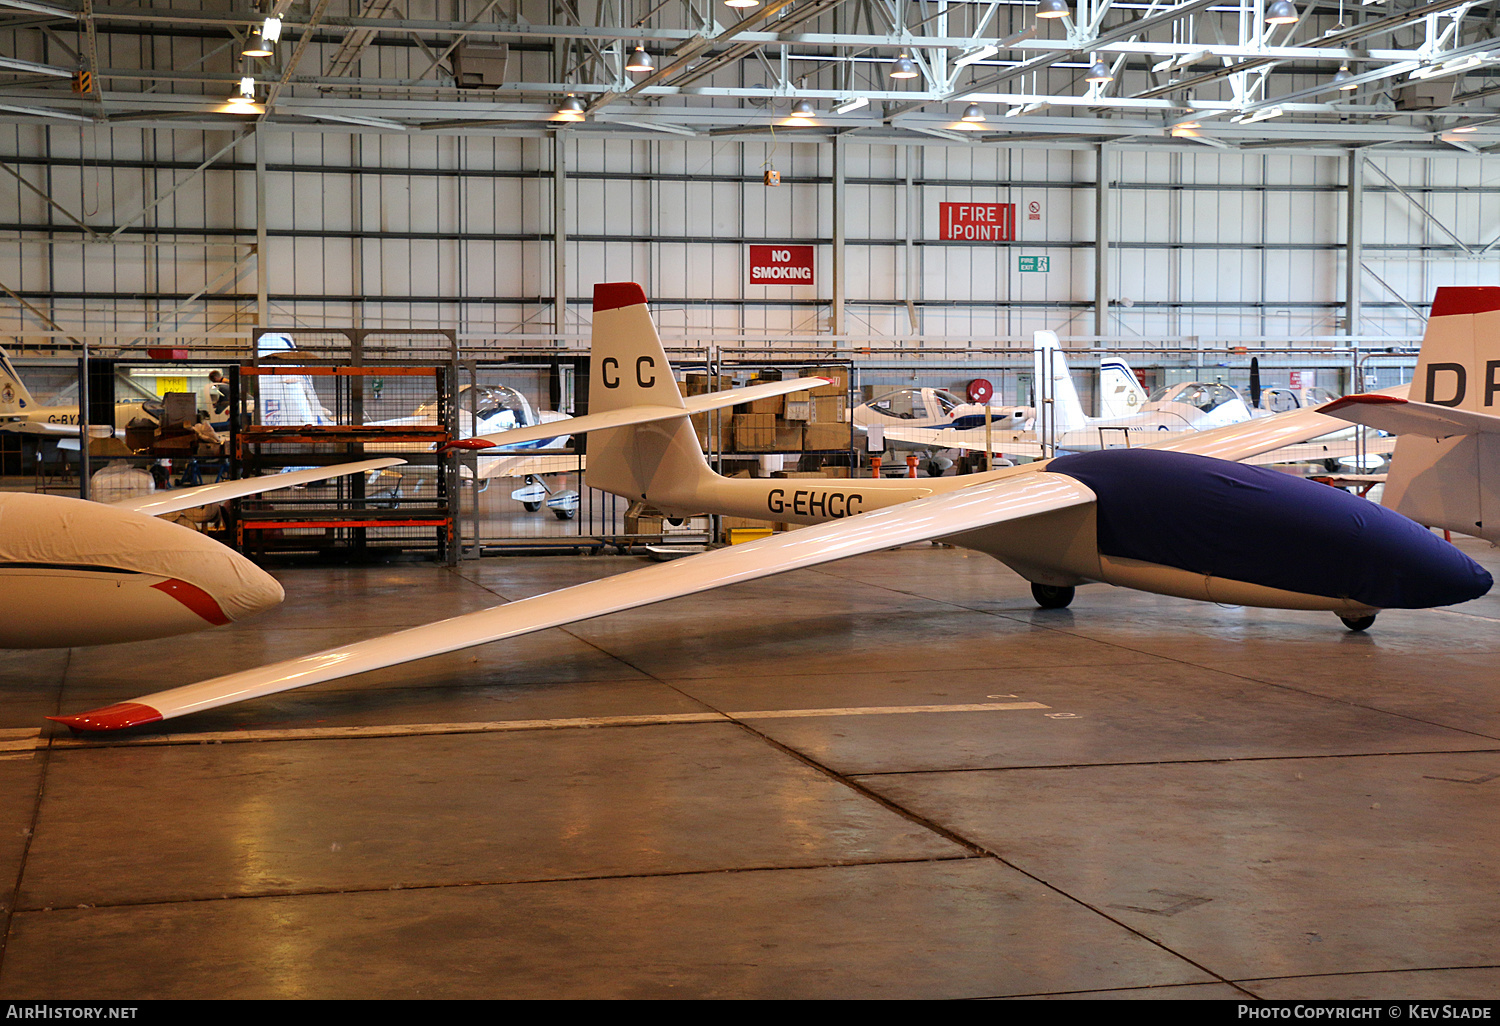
[(14, 398), (660, 461), (1054, 382), (1454, 482)]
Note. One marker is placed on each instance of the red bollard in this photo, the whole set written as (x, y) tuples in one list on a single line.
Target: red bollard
[(911, 466), (875, 467)]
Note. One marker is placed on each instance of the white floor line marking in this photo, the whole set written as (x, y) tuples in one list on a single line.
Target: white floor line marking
[(19, 743), (498, 726)]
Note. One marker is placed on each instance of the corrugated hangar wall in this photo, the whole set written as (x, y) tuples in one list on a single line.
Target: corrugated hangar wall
[(398, 230)]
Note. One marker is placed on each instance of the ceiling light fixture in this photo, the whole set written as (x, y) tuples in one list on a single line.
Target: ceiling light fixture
[(973, 113), (242, 101), (256, 45), (1053, 9), (270, 30), (904, 67), (1099, 73), (640, 61), (741, 3), (803, 109), (1344, 79), (1281, 12), (571, 108)]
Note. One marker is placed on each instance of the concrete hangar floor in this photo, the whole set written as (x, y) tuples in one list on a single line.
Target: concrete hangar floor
[(887, 777)]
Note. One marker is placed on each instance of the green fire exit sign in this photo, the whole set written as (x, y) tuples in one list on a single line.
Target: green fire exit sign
[(1035, 263)]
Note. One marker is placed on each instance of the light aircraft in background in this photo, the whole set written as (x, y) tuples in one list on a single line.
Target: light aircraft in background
[(291, 400), (21, 413), (1191, 406), (932, 420), (74, 572), (1128, 416), (1175, 519)]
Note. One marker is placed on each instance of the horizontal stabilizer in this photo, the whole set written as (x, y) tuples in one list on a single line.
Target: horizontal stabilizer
[(1403, 417), (627, 416), (159, 503)]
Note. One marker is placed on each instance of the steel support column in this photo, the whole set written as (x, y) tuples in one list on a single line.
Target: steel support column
[(1354, 248), (840, 211), (559, 236), (1101, 240), (262, 283)]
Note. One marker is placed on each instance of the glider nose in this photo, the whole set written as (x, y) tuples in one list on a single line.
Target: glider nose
[(241, 588), (223, 587)]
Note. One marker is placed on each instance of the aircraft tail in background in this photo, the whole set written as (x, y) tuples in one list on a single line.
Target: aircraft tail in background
[(1054, 384), (14, 397), (1446, 468), (1120, 391), (286, 400)]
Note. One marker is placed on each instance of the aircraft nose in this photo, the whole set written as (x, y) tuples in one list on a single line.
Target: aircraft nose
[(243, 589), (222, 586)]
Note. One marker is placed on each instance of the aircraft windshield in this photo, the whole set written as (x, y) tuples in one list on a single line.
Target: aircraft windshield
[(946, 401), (501, 408), (907, 404), (1195, 393), (1279, 400)]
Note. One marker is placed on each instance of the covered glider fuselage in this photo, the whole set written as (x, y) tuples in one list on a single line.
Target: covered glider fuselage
[(1174, 519), (82, 573), (1252, 536)]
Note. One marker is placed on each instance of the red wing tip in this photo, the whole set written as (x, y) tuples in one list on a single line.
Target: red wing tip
[(1361, 400), (111, 717), (614, 294), (470, 443)]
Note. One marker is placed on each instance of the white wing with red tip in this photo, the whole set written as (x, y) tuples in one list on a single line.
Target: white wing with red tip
[(1011, 498), (629, 416), (160, 503)]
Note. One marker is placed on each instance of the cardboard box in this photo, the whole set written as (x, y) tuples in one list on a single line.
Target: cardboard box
[(798, 409), (829, 409), (788, 437), (817, 437), (840, 376), (773, 405), (725, 431), (754, 432), (699, 383)]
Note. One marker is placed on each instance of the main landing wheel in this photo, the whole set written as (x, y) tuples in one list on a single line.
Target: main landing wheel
[(532, 507), (1359, 623), (564, 514), (1049, 597)]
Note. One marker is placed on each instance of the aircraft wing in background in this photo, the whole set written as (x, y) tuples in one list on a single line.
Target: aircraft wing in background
[(160, 503), (1404, 417), (627, 417)]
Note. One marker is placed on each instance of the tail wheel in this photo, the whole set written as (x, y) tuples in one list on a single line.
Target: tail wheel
[(1359, 623), (532, 507), (1050, 597), (564, 514)]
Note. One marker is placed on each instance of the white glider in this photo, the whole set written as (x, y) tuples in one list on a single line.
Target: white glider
[(1166, 520)]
